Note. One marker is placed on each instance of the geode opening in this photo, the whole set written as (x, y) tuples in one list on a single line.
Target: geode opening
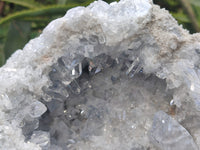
[(105, 98)]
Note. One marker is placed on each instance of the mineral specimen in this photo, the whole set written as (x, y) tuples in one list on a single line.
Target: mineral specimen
[(167, 133), (119, 76)]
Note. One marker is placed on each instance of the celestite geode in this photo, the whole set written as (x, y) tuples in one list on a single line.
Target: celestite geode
[(119, 76)]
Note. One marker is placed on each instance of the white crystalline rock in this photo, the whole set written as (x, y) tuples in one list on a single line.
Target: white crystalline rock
[(41, 138), (113, 18), (167, 133), (36, 109), (11, 138), (162, 48)]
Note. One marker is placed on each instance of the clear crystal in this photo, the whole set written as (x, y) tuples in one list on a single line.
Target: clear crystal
[(57, 91), (28, 125), (74, 87), (36, 109), (134, 68), (167, 133), (41, 138)]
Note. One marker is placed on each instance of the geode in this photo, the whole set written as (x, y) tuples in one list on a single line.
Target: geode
[(119, 76)]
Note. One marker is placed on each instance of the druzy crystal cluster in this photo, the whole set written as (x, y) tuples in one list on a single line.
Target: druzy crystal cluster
[(119, 76)]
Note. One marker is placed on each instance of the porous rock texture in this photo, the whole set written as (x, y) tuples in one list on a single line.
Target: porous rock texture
[(119, 76)]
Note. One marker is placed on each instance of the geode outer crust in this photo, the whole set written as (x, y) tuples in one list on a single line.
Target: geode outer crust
[(105, 77)]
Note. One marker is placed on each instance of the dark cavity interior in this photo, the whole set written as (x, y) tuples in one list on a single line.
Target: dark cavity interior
[(103, 91)]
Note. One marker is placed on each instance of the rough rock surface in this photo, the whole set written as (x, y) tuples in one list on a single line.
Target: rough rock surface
[(121, 76)]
